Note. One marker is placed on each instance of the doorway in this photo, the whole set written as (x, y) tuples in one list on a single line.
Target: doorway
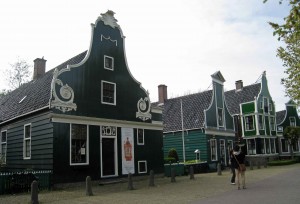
[(108, 157)]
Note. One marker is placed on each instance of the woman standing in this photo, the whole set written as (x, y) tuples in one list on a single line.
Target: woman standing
[(239, 158)]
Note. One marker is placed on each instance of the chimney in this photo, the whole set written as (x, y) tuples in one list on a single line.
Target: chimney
[(39, 68), (238, 85), (162, 93)]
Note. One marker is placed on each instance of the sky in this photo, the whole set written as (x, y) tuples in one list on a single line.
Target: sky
[(179, 43)]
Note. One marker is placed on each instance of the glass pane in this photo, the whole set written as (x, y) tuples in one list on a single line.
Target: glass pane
[(27, 148), (108, 92), (27, 131), (3, 137), (79, 139)]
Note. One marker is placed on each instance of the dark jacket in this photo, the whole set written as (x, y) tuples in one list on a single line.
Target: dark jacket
[(238, 157)]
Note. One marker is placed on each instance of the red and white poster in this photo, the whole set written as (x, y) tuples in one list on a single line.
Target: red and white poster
[(127, 151)]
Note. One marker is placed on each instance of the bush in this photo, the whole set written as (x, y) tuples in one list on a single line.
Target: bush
[(281, 162), (173, 153)]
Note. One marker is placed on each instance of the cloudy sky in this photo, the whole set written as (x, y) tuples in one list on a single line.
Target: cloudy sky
[(179, 43)]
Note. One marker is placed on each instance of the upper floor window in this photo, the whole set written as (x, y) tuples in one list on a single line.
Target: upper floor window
[(108, 62), (261, 122), (79, 144), (272, 123), (279, 129), (220, 117), (27, 142), (3, 147), (266, 105), (108, 94), (249, 123), (270, 106), (140, 136), (293, 121)]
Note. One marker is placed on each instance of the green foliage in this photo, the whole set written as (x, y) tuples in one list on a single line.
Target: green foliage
[(192, 162), (173, 153), (289, 33), (291, 134), (282, 162), (169, 160)]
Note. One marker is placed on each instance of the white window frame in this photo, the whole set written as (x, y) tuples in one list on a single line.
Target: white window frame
[(247, 127), (25, 139), (86, 146), (270, 106), (143, 136), (3, 158), (215, 151), (253, 151), (221, 117), (272, 126), (297, 146), (262, 127), (286, 143), (292, 124), (112, 63), (139, 169), (115, 91), (266, 105)]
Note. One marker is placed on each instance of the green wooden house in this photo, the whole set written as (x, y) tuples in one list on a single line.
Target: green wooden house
[(198, 125), (256, 119), (86, 117), (285, 118)]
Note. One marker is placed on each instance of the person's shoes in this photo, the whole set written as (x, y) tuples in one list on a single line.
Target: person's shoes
[(239, 188), (232, 183)]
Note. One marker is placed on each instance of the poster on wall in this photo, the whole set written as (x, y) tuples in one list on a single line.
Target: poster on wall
[(127, 151)]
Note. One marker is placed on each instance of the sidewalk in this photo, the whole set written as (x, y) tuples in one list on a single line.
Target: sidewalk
[(183, 190)]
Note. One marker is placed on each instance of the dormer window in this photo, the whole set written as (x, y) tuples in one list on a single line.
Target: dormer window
[(108, 62)]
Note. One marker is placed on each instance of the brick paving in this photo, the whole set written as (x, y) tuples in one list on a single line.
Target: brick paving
[(183, 190)]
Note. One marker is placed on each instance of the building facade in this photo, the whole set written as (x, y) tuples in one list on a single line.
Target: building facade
[(87, 117)]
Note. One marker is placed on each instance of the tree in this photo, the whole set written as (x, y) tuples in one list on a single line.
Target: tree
[(18, 74), (291, 134), (289, 33)]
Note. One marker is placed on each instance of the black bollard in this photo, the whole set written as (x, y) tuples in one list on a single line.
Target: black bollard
[(130, 182), (258, 164), (34, 192), (88, 186), (173, 175), (192, 177), (151, 178)]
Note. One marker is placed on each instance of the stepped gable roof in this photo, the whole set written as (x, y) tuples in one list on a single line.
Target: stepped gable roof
[(33, 95), (234, 98), (193, 107), (280, 115)]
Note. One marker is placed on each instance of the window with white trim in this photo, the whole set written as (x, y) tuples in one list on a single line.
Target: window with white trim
[(3, 147), (79, 144), (142, 167), (108, 94), (249, 123), (272, 123), (296, 146), (261, 122), (284, 146), (292, 121), (273, 149), (108, 62), (220, 117), (213, 149), (27, 142), (270, 106), (140, 136), (251, 146), (266, 105)]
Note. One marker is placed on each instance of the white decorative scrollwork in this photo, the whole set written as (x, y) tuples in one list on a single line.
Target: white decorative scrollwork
[(109, 131), (63, 101), (108, 38), (144, 106), (109, 19)]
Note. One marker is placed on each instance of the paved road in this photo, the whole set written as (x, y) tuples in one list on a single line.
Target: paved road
[(279, 189)]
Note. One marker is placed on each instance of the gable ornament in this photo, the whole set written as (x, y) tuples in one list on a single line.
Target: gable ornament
[(63, 100), (143, 107)]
